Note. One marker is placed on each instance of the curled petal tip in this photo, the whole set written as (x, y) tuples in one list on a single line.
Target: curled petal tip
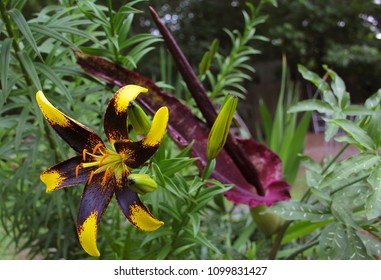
[(87, 233), (52, 179), (158, 127), (127, 94), (143, 220)]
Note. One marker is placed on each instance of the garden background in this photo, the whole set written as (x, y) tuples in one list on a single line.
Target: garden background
[(271, 54)]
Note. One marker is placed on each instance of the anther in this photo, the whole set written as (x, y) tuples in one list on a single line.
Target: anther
[(84, 154), (97, 147), (90, 177), (77, 170), (105, 176)]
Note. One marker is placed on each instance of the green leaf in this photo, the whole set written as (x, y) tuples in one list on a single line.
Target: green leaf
[(357, 133), (207, 194), (31, 70), (202, 240), (372, 243), (343, 213), (349, 167), (357, 110), (302, 228), (374, 128), (23, 26), (374, 100), (21, 126), (294, 210), (5, 58), (338, 87), (333, 242), (373, 204), (57, 81), (356, 249), (161, 232), (195, 221), (266, 119), (173, 165), (205, 63), (313, 77), (50, 32), (244, 236), (311, 105)]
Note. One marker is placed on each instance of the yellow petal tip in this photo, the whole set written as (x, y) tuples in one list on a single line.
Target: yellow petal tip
[(143, 220), (87, 234), (52, 179), (158, 127)]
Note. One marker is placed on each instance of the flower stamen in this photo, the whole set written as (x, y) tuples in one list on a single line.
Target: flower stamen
[(97, 147), (102, 159), (77, 170), (105, 176), (90, 177), (84, 154)]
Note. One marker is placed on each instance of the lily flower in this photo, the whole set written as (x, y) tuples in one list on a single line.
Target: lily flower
[(104, 169)]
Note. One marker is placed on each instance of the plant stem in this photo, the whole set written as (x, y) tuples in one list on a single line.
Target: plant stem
[(206, 107), (312, 243)]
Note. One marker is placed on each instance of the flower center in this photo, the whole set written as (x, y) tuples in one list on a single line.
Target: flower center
[(106, 160)]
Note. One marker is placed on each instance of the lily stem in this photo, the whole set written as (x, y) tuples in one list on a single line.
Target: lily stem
[(206, 107)]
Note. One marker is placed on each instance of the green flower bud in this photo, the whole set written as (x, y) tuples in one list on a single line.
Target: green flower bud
[(141, 183), (220, 128), (138, 118), (267, 222)]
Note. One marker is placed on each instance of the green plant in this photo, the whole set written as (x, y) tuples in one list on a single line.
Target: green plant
[(37, 54), (339, 215), (284, 133)]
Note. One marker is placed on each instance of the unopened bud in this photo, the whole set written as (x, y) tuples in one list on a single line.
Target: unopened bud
[(220, 129), (138, 118), (267, 221), (141, 183)]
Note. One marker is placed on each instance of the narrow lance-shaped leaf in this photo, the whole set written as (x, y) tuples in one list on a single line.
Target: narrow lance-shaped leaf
[(23, 26), (5, 58)]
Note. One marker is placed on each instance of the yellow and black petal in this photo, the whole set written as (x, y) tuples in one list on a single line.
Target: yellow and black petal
[(115, 120), (65, 174), (139, 152), (134, 209), (94, 201), (78, 136)]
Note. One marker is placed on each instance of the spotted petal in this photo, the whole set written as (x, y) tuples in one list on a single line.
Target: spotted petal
[(65, 174), (115, 121), (78, 136), (94, 202), (134, 209), (139, 152)]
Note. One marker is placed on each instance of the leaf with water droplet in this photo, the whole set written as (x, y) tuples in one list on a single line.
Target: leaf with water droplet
[(373, 203)]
